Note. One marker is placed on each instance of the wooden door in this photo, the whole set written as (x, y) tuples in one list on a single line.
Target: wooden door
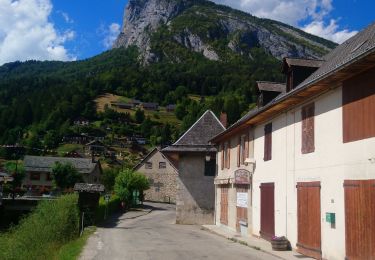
[(224, 204), (267, 210), (360, 219), (309, 224), (241, 211)]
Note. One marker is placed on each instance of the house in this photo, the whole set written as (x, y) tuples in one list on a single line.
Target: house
[(96, 147), (81, 121), (75, 139), (122, 105), (39, 171), (309, 158), (135, 102), (170, 108), (196, 167), (162, 175), (150, 106)]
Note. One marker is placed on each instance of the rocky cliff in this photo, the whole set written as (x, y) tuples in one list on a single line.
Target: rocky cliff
[(214, 31)]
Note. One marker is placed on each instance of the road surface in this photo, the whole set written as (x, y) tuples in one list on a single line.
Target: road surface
[(154, 236)]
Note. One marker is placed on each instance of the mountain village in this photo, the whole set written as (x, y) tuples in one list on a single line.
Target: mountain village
[(293, 177)]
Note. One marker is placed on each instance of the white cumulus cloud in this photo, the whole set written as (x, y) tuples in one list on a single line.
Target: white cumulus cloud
[(294, 12), (26, 33), (110, 34), (330, 32)]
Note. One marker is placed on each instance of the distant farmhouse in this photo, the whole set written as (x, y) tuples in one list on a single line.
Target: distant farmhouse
[(197, 168), (150, 106), (81, 121), (162, 175), (39, 171)]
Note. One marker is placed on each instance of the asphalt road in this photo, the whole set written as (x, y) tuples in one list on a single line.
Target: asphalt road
[(141, 236)]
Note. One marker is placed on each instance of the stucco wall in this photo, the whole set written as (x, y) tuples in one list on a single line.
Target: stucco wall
[(195, 192), (229, 174), (163, 182), (331, 164)]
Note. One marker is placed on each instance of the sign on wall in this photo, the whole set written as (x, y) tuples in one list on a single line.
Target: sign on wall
[(242, 199), (242, 176)]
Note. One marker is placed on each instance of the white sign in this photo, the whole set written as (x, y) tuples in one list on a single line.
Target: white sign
[(242, 198)]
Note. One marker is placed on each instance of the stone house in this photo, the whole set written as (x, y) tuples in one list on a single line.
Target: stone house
[(162, 175), (39, 171), (197, 168), (308, 157)]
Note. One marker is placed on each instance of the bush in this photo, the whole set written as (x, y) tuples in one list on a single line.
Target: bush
[(114, 205), (44, 231)]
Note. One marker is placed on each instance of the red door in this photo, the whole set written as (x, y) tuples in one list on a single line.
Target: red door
[(224, 204), (267, 210), (360, 219), (309, 224)]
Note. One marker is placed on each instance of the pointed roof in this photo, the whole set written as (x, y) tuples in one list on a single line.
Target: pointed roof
[(197, 137), (149, 155)]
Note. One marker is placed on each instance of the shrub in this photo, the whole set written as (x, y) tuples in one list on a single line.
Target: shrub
[(113, 206), (44, 231)]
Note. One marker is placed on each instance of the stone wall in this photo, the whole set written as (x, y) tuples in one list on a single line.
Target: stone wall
[(163, 181), (195, 191)]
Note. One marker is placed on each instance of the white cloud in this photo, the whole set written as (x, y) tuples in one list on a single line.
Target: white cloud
[(295, 12), (66, 17), (26, 33), (329, 32), (110, 34)]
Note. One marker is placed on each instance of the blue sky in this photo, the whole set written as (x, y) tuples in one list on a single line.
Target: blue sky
[(71, 29)]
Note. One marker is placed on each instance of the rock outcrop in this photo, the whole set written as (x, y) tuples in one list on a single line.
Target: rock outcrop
[(241, 31)]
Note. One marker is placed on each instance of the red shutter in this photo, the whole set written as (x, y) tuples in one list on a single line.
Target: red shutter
[(239, 152), (308, 132), (268, 142)]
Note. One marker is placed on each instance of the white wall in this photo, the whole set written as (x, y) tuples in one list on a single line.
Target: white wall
[(331, 164)]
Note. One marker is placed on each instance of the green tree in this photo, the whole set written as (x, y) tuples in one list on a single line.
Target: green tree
[(129, 181), (17, 171), (139, 116), (65, 175), (108, 178)]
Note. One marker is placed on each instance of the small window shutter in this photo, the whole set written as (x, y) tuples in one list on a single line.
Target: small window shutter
[(268, 142), (222, 156), (239, 152), (228, 165), (308, 131)]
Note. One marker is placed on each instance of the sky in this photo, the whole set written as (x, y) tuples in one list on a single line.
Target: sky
[(75, 30)]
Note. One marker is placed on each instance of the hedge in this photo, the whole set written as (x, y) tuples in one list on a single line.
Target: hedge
[(43, 232)]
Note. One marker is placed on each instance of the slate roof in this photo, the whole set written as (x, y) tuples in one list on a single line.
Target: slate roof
[(271, 86), (362, 44), (45, 164), (304, 62), (91, 188), (197, 138)]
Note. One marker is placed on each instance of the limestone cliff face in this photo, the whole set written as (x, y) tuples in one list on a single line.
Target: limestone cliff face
[(200, 26)]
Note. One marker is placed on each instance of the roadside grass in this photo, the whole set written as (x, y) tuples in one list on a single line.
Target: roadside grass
[(73, 249)]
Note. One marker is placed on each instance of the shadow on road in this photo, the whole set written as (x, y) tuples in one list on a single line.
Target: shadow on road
[(113, 220)]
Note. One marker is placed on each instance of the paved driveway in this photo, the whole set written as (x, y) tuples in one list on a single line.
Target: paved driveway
[(155, 236)]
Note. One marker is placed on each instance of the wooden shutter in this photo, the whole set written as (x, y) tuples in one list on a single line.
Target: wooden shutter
[(239, 152), (358, 101), (308, 131), (222, 156), (268, 142), (247, 146), (228, 149)]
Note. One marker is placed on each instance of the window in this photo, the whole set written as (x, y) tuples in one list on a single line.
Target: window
[(162, 165), (268, 142), (148, 165), (243, 149), (34, 176), (226, 155), (308, 132), (222, 156), (210, 168), (358, 98)]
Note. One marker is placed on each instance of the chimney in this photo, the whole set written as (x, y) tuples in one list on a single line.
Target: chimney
[(224, 119)]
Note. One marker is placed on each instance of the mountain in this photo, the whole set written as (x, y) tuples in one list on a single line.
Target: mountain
[(199, 56), (215, 31)]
